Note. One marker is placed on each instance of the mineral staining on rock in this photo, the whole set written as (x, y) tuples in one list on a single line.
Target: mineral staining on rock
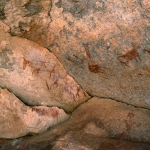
[(36, 76), (17, 119), (131, 55)]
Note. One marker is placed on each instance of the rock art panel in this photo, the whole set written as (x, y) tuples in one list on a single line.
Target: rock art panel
[(35, 75), (18, 120), (99, 42)]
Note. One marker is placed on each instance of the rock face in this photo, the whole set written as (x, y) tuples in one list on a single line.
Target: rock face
[(17, 119), (108, 118), (35, 75), (27, 18), (61, 53), (91, 127), (103, 44)]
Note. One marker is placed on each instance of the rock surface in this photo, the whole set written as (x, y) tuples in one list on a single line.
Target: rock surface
[(35, 75), (72, 141), (92, 127), (17, 119), (98, 46), (103, 44), (108, 118)]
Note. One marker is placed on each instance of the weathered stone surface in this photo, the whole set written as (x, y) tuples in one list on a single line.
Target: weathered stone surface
[(28, 18), (17, 119), (72, 141), (108, 118), (91, 127), (35, 75), (111, 119), (103, 44)]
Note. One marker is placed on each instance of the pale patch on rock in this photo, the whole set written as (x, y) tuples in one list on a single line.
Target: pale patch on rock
[(91, 128)]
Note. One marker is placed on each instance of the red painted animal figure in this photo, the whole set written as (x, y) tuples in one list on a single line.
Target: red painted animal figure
[(133, 54), (95, 68), (92, 66), (69, 59), (76, 60), (25, 63), (52, 71), (69, 90), (36, 71), (81, 60), (87, 51), (45, 112), (56, 78)]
